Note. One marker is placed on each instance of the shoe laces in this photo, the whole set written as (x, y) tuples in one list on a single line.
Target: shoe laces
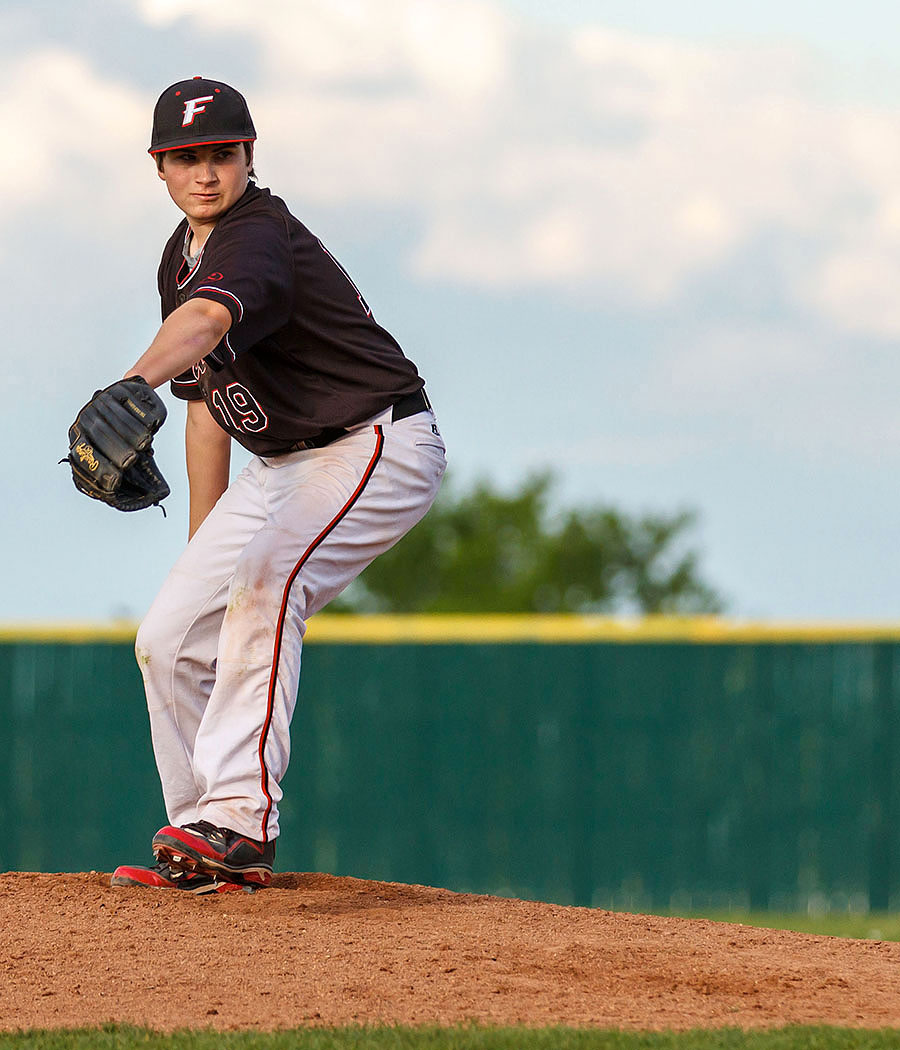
[(224, 837), (207, 830)]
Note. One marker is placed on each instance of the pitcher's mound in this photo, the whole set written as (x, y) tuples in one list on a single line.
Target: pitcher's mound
[(320, 950)]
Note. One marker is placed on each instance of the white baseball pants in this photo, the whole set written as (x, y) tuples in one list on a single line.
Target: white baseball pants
[(219, 650)]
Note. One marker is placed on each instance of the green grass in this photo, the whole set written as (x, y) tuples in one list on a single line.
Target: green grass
[(880, 926), (112, 1037)]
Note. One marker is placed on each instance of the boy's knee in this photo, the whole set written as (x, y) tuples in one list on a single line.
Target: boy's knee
[(154, 635), (144, 643)]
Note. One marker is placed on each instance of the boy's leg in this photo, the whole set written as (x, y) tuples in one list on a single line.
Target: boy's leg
[(178, 639), (331, 511)]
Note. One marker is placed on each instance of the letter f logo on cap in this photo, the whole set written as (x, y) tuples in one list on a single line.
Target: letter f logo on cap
[(192, 107)]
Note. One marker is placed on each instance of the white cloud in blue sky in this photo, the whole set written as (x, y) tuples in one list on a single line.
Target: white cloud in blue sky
[(658, 259), (588, 161)]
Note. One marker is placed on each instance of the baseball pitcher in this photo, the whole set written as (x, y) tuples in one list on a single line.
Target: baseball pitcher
[(270, 343)]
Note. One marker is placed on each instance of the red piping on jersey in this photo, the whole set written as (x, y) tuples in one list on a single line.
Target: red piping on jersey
[(220, 291), (279, 629), (180, 281)]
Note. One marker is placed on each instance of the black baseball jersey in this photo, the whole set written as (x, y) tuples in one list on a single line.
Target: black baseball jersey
[(304, 353)]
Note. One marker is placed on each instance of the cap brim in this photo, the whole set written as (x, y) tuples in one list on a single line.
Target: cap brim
[(166, 146)]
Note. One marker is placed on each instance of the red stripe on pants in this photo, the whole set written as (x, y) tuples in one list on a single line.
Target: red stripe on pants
[(279, 630)]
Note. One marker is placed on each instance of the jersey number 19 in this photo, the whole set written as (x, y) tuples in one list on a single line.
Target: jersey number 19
[(242, 411)]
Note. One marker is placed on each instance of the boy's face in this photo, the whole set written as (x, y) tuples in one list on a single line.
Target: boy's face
[(204, 181)]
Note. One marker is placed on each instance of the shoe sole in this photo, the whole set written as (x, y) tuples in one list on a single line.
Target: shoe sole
[(185, 856), (196, 891)]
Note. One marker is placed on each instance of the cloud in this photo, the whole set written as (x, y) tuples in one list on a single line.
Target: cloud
[(79, 137), (590, 161), (606, 166)]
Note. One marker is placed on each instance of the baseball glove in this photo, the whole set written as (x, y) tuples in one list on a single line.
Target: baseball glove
[(110, 446)]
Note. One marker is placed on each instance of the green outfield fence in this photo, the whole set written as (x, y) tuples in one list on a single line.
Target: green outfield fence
[(638, 765)]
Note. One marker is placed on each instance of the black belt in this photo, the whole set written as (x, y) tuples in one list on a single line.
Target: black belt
[(407, 406), (411, 405)]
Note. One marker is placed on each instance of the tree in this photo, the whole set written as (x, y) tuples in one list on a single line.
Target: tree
[(483, 551)]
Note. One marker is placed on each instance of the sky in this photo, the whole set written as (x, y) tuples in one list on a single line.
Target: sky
[(654, 248)]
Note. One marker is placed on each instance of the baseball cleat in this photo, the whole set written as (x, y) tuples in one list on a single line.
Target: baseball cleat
[(162, 877), (203, 849)]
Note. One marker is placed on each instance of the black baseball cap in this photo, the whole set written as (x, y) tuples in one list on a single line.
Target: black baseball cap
[(200, 112)]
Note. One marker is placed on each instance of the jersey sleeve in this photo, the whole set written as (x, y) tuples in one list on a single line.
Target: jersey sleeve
[(186, 387), (248, 267)]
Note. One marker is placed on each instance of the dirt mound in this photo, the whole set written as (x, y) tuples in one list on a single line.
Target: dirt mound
[(320, 950)]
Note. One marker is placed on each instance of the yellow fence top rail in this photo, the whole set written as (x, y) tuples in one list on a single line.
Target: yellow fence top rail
[(510, 628)]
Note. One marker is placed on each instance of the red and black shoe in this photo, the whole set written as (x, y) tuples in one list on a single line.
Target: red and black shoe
[(202, 848), (161, 877)]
